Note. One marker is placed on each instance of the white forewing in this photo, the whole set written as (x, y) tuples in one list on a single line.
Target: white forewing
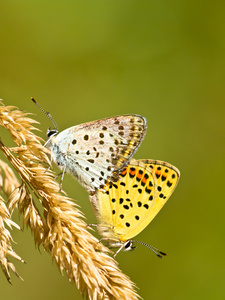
[(93, 152)]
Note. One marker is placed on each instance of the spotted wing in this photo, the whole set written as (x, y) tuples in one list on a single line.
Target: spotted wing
[(131, 203), (166, 178), (125, 205), (99, 149)]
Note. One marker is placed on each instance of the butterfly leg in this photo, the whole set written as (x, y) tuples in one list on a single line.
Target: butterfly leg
[(62, 175), (99, 226), (49, 167), (58, 175), (113, 242), (92, 225), (104, 239), (120, 248)]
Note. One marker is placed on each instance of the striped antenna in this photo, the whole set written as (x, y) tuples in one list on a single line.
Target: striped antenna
[(47, 114)]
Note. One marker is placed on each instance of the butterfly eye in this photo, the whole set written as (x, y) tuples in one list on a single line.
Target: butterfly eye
[(51, 132), (129, 246)]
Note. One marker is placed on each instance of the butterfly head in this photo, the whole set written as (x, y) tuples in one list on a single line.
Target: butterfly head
[(51, 132), (128, 246)]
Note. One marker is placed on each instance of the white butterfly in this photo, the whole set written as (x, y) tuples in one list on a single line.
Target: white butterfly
[(94, 152)]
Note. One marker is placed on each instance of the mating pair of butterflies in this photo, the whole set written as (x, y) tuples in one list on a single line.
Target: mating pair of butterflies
[(126, 194)]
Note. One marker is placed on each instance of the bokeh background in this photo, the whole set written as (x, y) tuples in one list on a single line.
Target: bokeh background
[(86, 60)]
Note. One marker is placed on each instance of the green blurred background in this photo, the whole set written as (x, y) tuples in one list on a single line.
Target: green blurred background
[(86, 60)]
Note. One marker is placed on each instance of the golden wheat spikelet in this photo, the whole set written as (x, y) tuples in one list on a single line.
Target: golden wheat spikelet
[(60, 229)]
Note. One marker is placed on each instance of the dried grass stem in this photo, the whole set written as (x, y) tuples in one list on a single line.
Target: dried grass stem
[(60, 228)]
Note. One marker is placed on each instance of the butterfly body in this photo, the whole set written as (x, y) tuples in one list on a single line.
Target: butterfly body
[(93, 152), (128, 205)]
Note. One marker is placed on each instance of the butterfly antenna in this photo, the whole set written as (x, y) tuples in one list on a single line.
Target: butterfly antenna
[(46, 113), (157, 252)]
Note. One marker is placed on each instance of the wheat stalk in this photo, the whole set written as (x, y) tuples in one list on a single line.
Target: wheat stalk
[(60, 229)]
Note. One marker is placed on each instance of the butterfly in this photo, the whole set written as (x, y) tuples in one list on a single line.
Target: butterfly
[(127, 206), (94, 152)]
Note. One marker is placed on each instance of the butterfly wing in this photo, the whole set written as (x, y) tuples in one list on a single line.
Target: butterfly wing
[(167, 177), (94, 151), (131, 203)]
